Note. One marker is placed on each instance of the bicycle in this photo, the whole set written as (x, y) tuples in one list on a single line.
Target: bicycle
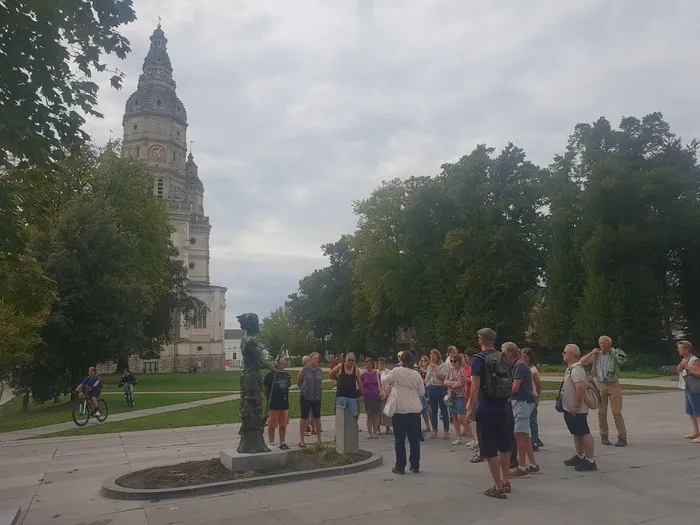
[(83, 410), (129, 394)]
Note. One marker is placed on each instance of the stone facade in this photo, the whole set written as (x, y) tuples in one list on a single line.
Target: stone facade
[(155, 131)]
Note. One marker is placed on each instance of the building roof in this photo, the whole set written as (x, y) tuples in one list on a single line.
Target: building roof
[(233, 333)]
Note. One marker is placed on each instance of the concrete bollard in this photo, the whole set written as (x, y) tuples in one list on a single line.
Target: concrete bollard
[(346, 432)]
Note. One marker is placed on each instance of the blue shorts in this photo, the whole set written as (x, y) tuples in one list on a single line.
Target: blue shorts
[(692, 404), (522, 410), (458, 406), (349, 403), (93, 393)]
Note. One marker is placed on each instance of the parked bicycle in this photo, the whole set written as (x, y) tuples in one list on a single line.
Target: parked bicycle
[(83, 410)]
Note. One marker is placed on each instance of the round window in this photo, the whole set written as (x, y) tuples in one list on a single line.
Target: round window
[(193, 240), (191, 265)]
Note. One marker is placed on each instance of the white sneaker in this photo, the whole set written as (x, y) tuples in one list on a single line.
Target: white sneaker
[(471, 443), (97, 413), (457, 442)]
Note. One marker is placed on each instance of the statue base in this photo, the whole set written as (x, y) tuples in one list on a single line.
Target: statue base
[(237, 461)]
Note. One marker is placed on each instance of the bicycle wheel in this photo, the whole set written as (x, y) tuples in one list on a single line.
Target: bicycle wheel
[(81, 414), (102, 407)]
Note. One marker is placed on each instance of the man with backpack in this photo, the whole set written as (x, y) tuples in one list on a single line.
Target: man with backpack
[(492, 386), (572, 402)]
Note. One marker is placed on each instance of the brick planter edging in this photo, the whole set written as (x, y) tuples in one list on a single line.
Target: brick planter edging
[(110, 489)]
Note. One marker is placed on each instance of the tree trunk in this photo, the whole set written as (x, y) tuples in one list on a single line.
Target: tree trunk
[(25, 403), (122, 363), (252, 441)]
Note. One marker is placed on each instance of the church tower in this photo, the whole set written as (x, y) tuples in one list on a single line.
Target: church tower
[(155, 131)]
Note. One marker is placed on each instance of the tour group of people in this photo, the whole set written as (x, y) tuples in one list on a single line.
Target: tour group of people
[(488, 397)]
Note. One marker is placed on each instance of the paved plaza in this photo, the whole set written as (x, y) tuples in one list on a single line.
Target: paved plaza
[(656, 480)]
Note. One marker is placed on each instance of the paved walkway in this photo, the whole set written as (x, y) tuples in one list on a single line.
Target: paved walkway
[(655, 480), (50, 429)]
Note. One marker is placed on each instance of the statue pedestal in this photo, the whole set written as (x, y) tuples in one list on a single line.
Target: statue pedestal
[(346, 432), (236, 461)]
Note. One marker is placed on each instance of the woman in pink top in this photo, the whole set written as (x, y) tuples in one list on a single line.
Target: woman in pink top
[(373, 401)]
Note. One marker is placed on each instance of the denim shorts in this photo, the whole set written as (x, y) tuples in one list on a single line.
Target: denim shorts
[(458, 406), (692, 404), (522, 410), (350, 403)]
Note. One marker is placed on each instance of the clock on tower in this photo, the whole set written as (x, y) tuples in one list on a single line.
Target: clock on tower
[(156, 153)]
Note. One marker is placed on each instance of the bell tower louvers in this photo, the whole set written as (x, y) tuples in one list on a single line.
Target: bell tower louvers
[(155, 131)]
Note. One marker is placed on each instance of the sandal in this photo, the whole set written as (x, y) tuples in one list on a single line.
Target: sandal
[(507, 488), (692, 436), (433, 435), (476, 459), (696, 440), (302, 445), (493, 492)]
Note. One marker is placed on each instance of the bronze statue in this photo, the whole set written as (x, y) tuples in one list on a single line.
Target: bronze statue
[(252, 409)]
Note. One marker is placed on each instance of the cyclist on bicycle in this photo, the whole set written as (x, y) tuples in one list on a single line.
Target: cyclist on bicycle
[(129, 380), (92, 388)]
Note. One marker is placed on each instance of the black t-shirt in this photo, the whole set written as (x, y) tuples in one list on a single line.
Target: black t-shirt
[(277, 384)]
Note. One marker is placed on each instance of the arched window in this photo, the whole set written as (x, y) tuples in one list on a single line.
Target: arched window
[(159, 188), (200, 319)]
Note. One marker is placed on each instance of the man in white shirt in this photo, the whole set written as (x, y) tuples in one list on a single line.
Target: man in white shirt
[(576, 411)]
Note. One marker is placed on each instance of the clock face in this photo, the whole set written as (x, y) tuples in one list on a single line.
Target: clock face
[(156, 153)]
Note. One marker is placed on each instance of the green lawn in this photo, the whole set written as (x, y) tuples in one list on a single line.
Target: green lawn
[(626, 374), (554, 385), (178, 382), (216, 414), (12, 418)]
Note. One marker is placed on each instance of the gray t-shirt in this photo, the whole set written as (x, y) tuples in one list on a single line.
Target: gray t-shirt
[(526, 392), (431, 377), (574, 374)]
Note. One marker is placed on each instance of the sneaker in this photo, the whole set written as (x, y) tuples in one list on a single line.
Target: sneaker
[(518, 473), (272, 444), (586, 466), (397, 471), (415, 470), (457, 442), (621, 443), (97, 413), (471, 443), (574, 461), (605, 441), (446, 436), (533, 469), (540, 444), (421, 437), (284, 446), (535, 447)]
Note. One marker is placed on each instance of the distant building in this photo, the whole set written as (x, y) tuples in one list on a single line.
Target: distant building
[(232, 347)]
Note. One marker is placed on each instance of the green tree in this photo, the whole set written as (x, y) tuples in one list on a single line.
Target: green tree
[(639, 203), (280, 329), (48, 54)]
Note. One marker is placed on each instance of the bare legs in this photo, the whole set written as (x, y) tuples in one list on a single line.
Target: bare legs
[(499, 467)]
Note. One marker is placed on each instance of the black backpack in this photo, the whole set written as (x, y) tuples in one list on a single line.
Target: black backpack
[(496, 379)]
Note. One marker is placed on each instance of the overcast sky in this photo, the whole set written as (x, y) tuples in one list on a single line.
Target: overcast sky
[(299, 107)]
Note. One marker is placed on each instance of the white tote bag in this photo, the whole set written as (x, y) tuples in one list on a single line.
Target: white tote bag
[(390, 406)]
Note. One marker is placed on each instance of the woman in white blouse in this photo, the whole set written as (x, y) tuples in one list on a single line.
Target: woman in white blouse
[(407, 385), (690, 366)]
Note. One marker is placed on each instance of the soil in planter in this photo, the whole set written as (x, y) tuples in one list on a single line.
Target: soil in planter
[(211, 470)]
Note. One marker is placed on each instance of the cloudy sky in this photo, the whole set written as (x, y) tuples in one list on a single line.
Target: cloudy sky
[(299, 107)]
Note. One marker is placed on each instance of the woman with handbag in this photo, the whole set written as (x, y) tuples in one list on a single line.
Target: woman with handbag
[(404, 407), (689, 381)]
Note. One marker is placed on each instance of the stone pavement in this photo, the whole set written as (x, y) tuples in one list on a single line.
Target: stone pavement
[(50, 429), (656, 480)]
